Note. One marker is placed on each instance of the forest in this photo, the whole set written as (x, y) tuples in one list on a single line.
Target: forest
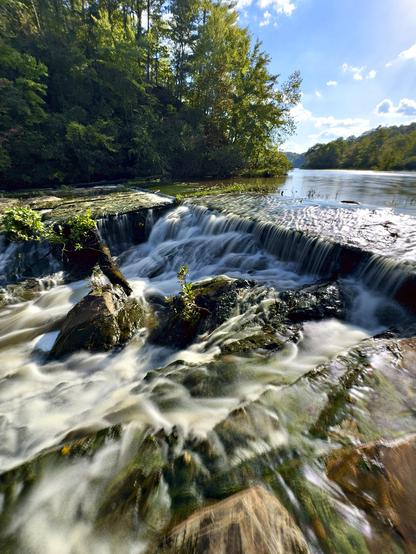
[(124, 89), (384, 148)]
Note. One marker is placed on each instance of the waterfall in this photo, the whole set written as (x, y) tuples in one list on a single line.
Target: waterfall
[(318, 256)]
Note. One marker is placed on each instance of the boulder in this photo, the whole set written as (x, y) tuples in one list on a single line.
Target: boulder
[(313, 303), (250, 522), (379, 478), (103, 319), (215, 302)]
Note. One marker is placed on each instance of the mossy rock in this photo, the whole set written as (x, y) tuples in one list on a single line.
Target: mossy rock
[(215, 302)]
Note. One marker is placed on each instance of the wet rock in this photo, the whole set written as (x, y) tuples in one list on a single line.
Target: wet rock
[(219, 297), (264, 339), (79, 262), (313, 303), (25, 290), (215, 302), (103, 319), (369, 390), (379, 478), (252, 521)]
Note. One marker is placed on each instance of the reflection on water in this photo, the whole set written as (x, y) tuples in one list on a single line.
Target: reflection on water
[(373, 189), (337, 188)]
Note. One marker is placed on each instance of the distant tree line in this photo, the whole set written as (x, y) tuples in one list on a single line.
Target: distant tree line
[(111, 89), (297, 160), (384, 148)]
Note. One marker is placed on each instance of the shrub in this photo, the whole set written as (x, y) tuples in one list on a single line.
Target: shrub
[(22, 224), (74, 231)]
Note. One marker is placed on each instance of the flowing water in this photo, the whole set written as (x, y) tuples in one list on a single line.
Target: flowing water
[(223, 422)]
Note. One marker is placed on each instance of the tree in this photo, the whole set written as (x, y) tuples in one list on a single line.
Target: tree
[(111, 89)]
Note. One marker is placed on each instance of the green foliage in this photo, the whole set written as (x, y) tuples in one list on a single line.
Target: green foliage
[(100, 91), (187, 295), (74, 231), (384, 148), (21, 224)]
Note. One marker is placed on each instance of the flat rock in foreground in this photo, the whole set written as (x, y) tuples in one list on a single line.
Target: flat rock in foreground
[(379, 477), (250, 522)]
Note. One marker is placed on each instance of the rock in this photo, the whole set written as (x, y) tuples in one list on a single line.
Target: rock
[(79, 262), (313, 303), (379, 478), (250, 522), (20, 292), (264, 340), (100, 321), (215, 302), (369, 391)]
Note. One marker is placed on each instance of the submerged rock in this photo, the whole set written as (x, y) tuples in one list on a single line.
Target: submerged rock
[(103, 319), (250, 522), (379, 478), (25, 290)]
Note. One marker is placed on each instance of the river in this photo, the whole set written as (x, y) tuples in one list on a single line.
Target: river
[(194, 395)]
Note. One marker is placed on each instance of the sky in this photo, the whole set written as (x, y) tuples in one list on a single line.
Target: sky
[(357, 59)]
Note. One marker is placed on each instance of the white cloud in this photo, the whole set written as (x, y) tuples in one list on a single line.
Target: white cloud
[(267, 17), (359, 73), (284, 7), (405, 108), (318, 93), (406, 55), (332, 83), (330, 127), (241, 4), (324, 129), (300, 113)]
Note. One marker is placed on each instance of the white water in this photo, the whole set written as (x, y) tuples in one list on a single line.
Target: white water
[(41, 402)]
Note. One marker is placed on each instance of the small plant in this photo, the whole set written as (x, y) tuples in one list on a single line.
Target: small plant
[(187, 294), (22, 224), (179, 198)]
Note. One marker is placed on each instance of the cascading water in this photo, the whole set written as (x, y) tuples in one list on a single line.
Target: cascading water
[(193, 395)]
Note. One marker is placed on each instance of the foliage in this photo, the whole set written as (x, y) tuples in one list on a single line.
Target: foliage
[(21, 224), (74, 231), (187, 295), (297, 160), (122, 90), (384, 148)]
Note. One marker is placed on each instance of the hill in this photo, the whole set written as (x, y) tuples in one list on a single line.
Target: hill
[(384, 148), (297, 160)]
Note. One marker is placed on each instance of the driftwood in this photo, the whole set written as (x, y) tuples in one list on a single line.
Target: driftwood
[(81, 261)]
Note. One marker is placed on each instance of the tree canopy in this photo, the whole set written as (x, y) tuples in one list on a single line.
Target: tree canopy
[(384, 148), (117, 89)]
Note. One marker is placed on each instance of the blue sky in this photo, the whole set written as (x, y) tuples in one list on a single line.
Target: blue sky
[(357, 59)]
